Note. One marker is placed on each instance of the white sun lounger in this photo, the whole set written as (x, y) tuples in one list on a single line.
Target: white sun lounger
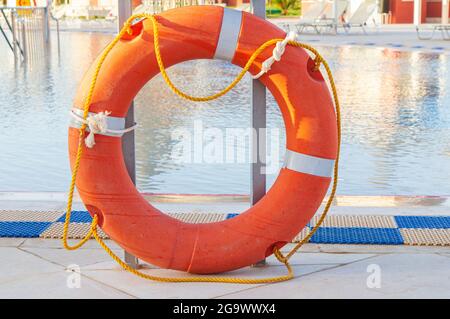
[(327, 21), (310, 16), (444, 28), (360, 17)]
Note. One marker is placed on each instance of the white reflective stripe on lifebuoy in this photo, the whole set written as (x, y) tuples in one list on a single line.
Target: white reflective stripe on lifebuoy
[(114, 123), (308, 164), (229, 34)]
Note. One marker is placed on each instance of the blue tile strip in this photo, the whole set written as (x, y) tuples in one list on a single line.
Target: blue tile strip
[(325, 235), (423, 221), (354, 235), (23, 229), (77, 217)]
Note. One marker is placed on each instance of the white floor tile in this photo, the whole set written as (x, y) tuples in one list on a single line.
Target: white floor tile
[(402, 276), (148, 289), (17, 264), (54, 285), (11, 242), (322, 258), (63, 257), (57, 243)]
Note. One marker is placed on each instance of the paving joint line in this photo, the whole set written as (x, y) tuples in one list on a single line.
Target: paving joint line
[(295, 277), (65, 269)]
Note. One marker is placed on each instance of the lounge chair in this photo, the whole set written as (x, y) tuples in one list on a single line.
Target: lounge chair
[(360, 17), (444, 28), (327, 20), (309, 17)]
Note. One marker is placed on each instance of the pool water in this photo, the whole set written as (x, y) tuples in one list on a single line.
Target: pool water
[(395, 115)]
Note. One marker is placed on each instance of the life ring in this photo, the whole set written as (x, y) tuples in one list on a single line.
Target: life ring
[(207, 32)]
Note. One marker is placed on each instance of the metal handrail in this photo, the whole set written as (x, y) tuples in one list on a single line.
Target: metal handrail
[(4, 34), (50, 12), (30, 30), (15, 42)]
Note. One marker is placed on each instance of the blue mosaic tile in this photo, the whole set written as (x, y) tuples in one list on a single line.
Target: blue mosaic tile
[(354, 235), (77, 217), (423, 221), (23, 229)]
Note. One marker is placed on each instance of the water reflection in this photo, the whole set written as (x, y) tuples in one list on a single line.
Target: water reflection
[(396, 121)]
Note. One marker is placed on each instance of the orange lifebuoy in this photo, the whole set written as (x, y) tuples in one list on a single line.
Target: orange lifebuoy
[(207, 32)]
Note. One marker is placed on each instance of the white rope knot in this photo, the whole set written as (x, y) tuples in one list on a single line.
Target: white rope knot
[(98, 124), (277, 53)]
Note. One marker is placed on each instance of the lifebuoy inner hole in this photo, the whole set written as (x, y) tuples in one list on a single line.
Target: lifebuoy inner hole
[(155, 89)]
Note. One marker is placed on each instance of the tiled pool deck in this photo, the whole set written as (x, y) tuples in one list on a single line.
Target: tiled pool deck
[(390, 37), (33, 265)]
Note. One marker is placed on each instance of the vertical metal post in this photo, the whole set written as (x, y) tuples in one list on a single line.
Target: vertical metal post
[(57, 35), (335, 16), (46, 22), (24, 42), (13, 31), (18, 52), (128, 146), (258, 176)]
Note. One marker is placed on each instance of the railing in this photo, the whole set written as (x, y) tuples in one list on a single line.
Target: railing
[(26, 30)]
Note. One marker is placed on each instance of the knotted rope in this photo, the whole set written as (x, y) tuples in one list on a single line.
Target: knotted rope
[(277, 53), (98, 124)]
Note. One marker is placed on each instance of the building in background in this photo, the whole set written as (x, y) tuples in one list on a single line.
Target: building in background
[(428, 11), (397, 11)]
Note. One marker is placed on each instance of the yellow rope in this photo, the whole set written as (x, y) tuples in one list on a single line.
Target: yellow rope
[(93, 229), (191, 278)]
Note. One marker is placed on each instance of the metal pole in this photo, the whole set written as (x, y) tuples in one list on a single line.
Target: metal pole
[(15, 41), (258, 176), (125, 10), (47, 22), (24, 42), (335, 15), (57, 35), (31, 30), (12, 27)]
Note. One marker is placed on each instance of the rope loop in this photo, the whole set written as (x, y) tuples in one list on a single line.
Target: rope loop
[(127, 26), (281, 258), (317, 62), (277, 52)]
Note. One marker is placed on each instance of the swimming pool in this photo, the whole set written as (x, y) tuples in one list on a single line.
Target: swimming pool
[(396, 121)]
